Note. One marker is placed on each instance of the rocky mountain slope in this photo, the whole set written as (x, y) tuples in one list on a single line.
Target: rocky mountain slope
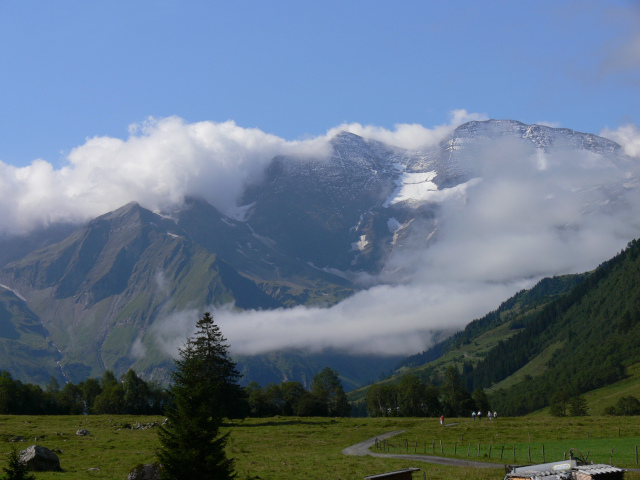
[(93, 299)]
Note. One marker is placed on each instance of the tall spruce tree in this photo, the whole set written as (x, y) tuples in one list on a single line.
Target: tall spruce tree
[(16, 470), (204, 391)]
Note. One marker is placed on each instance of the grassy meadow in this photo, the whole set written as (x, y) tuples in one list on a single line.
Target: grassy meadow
[(294, 448)]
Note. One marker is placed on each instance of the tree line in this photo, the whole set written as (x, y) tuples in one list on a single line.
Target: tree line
[(109, 395), (413, 398), (131, 395), (325, 398)]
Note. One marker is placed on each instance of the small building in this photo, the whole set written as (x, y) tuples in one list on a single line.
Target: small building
[(565, 470), (395, 475)]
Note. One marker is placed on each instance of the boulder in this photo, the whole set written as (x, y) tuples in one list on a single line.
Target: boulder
[(82, 432), (149, 471), (40, 459)]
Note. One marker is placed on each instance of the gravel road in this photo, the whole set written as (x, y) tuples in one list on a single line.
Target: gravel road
[(362, 448)]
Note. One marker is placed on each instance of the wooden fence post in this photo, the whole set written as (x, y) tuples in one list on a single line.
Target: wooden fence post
[(501, 452), (434, 447), (514, 453), (455, 448), (529, 453), (478, 448), (636, 454), (489, 451), (543, 460), (441, 447), (611, 457), (468, 449)]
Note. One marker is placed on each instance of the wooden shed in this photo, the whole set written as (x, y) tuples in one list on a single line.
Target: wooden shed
[(395, 475)]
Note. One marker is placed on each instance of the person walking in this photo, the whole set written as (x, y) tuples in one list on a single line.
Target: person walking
[(441, 419), (473, 414), (479, 415)]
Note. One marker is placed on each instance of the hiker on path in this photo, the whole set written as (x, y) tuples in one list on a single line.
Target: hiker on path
[(479, 415), (489, 415), (495, 415), (473, 414), (441, 419)]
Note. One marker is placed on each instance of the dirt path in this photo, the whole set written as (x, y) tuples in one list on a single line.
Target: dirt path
[(362, 448)]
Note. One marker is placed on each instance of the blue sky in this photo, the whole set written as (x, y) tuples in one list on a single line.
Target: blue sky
[(74, 70), (104, 103)]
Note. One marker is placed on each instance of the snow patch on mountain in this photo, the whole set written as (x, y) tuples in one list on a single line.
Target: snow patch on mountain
[(15, 292), (361, 244), (413, 187), (240, 213), (393, 225)]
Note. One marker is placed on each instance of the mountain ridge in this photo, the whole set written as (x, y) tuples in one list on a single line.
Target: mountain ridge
[(309, 229)]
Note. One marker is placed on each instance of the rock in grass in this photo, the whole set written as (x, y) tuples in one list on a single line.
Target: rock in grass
[(40, 459), (149, 471), (82, 432)]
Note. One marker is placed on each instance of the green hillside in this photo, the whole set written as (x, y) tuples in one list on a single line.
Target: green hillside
[(600, 399), (593, 331), (574, 334), (470, 346)]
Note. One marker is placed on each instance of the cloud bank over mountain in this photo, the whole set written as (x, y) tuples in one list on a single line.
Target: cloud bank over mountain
[(529, 214), (162, 161)]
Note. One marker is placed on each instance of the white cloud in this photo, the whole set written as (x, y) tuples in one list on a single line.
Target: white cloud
[(383, 320), (531, 215), (410, 136), (628, 136), (162, 161)]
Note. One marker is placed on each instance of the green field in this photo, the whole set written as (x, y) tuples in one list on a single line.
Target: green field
[(294, 448)]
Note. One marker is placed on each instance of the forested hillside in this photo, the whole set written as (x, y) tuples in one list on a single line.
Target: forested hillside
[(596, 327), (513, 312), (566, 336)]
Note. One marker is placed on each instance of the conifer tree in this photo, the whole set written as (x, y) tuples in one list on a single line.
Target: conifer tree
[(16, 470), (203, 392)]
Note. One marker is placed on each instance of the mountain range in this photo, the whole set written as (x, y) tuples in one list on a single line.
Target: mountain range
[(78, 299)]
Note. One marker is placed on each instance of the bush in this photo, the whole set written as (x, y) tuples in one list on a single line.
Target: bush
[(626, 406)]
